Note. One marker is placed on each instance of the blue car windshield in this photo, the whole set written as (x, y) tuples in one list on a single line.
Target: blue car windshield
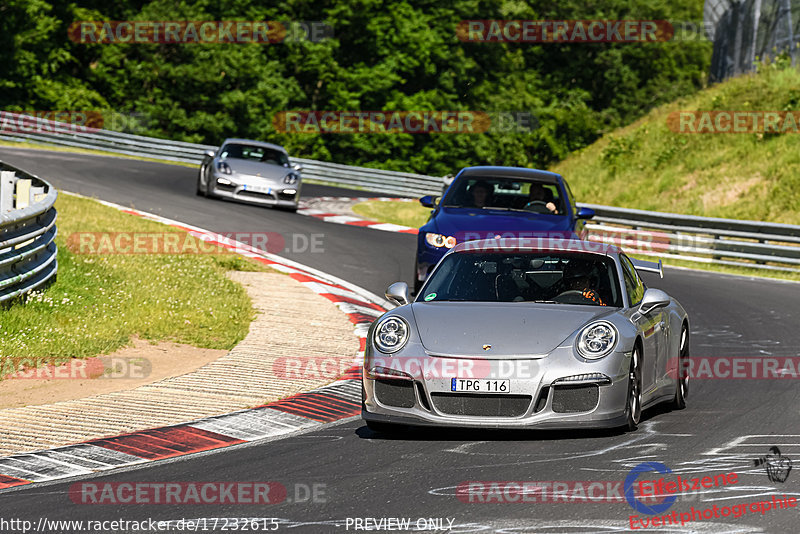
[(505, 194), (543, 277)]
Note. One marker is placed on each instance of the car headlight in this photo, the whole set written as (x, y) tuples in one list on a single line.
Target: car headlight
[(224, 168), (290, 178), (391, 334), (439, 240), (597, 340)]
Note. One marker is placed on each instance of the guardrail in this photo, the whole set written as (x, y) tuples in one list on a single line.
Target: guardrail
[(753, 244), (700, 239), (22, 128), (27, 232)]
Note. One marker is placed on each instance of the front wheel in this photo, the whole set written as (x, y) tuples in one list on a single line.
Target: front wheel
[(682, 385), (199, 191), (633, 405)]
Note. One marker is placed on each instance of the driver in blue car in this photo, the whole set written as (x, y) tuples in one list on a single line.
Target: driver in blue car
[(541, 200)]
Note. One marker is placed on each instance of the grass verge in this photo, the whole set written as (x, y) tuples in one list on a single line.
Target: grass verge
[(411, 214), (100, 301), (647, 165)]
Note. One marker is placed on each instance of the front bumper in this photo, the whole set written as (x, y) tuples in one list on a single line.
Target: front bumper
[(275, 197), (537, 400)]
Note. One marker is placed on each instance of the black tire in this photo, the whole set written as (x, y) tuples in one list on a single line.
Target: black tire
[(682, 385), (199, 191), (633, 403), (382, 428)]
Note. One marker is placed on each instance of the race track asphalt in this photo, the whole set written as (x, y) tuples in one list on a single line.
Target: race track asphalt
[(728, 424)]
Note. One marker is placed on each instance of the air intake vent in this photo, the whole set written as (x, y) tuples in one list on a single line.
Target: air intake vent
[(572, 399)]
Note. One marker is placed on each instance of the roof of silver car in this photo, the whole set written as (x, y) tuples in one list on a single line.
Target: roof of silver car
[(254, 143)]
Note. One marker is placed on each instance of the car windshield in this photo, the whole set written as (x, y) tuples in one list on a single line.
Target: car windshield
[(505, 194), (545, 277), (255, 153)]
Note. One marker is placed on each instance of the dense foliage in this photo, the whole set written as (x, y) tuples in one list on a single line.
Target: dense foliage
[(384, 55)]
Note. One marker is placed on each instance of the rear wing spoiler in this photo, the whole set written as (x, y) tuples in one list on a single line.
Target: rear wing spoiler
[(648, 266)]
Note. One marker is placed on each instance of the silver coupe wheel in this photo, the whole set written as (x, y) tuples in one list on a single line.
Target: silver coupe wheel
[(682, 386), (633, 406)]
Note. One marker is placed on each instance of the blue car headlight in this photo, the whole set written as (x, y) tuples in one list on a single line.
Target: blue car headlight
[(597, 340), (439, 240)]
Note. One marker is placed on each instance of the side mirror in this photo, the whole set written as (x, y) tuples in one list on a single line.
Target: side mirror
[(209, 154), (585, 213), (297, 167), (397, 293), (653, 298), (429, 201)]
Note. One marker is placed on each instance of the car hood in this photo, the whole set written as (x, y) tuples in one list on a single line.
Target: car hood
[(256, 168), (486, 223), (514, 330)]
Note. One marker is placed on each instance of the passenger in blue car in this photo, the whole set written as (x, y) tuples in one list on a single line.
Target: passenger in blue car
[(481, 194)]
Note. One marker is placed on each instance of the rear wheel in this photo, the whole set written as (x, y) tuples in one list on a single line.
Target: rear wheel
[(633, 405), (682, 385)]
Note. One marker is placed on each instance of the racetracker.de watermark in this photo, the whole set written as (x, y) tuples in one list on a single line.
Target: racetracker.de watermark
[(193, 243), (101, 367), (183, 493), (564, 31), (198, 31), (466, 370), (543, 491), (403, 122), (71, 121), (734, 122), (737, 367)]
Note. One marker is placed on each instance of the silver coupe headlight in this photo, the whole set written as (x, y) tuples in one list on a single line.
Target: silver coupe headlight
[(391, 334), (597, 340)]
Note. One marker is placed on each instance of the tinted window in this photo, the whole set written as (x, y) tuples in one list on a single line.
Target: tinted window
[(553, 278)]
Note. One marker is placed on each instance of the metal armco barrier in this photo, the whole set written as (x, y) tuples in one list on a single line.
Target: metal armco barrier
[(701, 239), (754, 244), (27, 232)]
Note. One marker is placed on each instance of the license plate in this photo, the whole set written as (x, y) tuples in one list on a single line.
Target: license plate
[(257, 189), (475, 385)]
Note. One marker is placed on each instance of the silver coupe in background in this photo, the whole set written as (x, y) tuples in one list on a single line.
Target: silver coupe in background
[(251, 171), (512, 333)]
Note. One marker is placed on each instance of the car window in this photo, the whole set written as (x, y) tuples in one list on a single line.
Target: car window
[(633, 284), (543, 277), (506, 193), (256, 153)]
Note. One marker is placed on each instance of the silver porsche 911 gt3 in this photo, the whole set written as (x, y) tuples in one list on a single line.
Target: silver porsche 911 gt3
[(527, 333), (251, 171)]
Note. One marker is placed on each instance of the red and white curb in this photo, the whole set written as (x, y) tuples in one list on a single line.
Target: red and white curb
[(338, 400), (351, 220)]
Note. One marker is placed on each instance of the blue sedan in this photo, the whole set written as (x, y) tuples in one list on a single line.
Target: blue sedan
[(485, 202)]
